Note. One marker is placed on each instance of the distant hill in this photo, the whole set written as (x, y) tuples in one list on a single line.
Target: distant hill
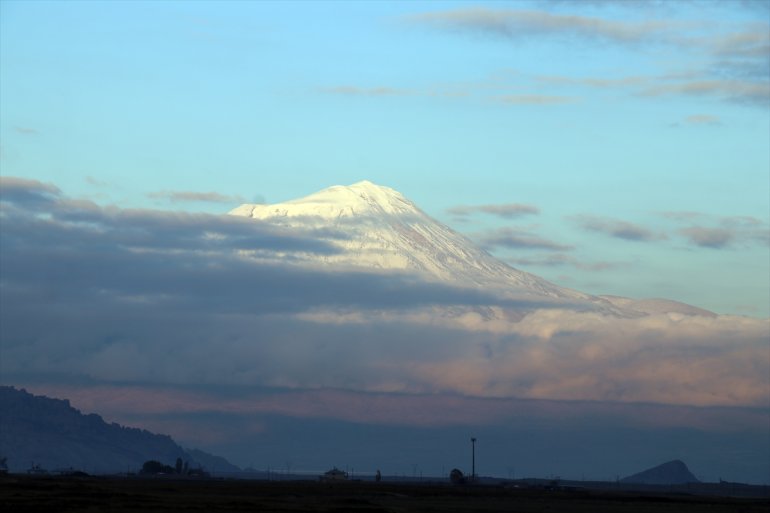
[(51, 433), (672, 472)]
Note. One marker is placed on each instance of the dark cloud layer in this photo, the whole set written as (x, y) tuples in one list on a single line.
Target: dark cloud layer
[(179, 260)]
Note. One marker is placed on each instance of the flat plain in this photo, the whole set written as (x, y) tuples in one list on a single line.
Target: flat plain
[(21, 493)]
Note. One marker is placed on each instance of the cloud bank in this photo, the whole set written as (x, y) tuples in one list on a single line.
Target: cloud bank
[(103, 294)]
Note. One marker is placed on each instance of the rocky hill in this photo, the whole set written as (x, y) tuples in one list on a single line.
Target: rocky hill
[(52, 434), (670, 473)]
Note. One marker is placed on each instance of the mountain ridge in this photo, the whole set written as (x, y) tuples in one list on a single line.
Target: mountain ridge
[(49, 432)]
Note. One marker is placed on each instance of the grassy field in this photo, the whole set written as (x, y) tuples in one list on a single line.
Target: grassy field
[(54, 494)]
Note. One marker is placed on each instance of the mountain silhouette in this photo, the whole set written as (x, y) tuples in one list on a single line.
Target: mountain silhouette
[(38, 430), (669, 473)]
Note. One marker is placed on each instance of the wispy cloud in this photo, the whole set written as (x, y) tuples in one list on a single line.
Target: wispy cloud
[(738, 91), (752, 42), (701, 84), (727, 235), (707, 231), (195, 197), (561, 259), (617, 228), (347, 90), (534, 99), (506, 210), (601, 83), (516, 24), (733, 60), (681, 215), (24, 130), (516, 239), (96, 182), (716, 238), (702, 119)]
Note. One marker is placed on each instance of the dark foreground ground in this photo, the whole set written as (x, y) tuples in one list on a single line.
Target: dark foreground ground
[(53, 494)]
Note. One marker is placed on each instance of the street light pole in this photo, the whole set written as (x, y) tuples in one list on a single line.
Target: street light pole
[(473, 459)]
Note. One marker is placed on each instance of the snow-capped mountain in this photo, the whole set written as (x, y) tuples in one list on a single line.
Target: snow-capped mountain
[(377, 228), (383, 230)]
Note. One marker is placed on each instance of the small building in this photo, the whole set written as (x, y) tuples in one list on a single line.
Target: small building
[(334, 474)]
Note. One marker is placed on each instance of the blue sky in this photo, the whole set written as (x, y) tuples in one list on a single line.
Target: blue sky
[(621, 112)]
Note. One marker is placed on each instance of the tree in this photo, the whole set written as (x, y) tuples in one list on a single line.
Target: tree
[(178, 466), (155, 467), (456, 476)]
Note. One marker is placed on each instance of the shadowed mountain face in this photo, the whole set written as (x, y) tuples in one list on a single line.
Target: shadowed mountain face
[(672, 472), (51, 433)]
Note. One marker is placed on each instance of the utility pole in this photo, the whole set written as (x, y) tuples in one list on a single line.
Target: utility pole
[(473, 460)]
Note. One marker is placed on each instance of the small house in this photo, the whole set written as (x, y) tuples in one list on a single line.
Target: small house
[(334, 474)]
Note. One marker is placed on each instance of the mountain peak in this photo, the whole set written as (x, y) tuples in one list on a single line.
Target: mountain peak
[(366, 184), (338, 201), (364, 196)]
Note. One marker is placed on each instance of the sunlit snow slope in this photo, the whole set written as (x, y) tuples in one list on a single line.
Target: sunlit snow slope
[(384, 230), (377, 228)]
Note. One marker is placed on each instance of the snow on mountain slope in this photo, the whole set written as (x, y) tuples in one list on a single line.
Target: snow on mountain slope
[(377, 228), (386, 231)]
